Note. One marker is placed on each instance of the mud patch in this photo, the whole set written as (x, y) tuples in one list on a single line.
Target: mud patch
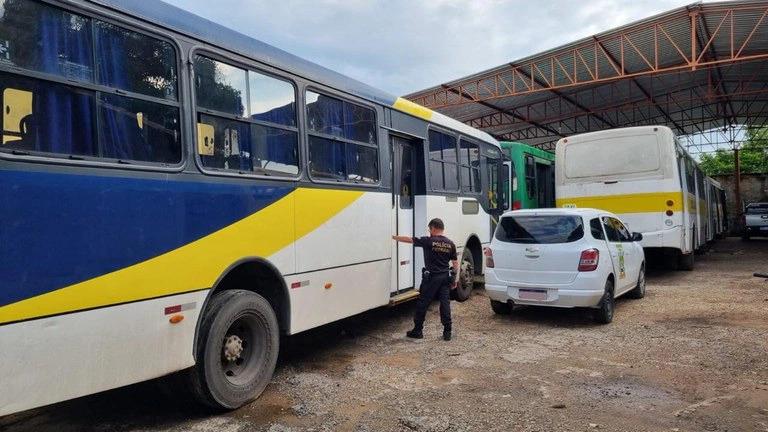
[(627, 395)]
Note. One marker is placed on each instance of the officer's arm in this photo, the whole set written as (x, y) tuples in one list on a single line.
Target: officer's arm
[(404, 239)]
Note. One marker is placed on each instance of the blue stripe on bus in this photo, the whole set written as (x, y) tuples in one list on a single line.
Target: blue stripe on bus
[(60, 229)]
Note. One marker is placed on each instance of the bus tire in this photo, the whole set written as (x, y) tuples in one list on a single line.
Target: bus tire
[(237, 350), (466, 276), (638, 291), (604, 312), (685, 261)]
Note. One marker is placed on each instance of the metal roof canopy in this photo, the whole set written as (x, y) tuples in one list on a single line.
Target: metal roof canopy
[(700, 69)]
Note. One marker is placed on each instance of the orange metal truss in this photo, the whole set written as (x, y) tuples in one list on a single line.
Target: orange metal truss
[(651, 48)]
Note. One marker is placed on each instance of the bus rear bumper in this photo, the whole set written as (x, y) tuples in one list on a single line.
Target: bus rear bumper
[(670, 238)]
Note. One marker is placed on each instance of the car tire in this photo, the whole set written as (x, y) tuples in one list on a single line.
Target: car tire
[(638, 291), (501, 308), (466, 276), (242, 325), (604, 313)]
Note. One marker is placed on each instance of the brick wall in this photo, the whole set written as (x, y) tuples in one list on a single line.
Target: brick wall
[(754, 187)]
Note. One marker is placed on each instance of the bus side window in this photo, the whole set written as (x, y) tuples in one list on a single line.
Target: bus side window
[(17, 118)]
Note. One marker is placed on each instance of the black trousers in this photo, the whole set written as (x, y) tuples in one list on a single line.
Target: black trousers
[(437, 287)]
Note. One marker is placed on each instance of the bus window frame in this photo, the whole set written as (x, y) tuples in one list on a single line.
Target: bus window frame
[(473, 142), (248, 66), (428, 143), (380, 146), (130, 24)]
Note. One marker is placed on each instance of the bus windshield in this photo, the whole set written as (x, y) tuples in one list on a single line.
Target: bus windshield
[(625, 155)]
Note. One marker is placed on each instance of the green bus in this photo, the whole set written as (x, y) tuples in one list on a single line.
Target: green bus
[(532, 174)]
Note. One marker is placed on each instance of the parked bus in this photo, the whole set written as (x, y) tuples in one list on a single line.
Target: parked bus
[(175, 196), (718, 216), (532, 174), (644, 175)]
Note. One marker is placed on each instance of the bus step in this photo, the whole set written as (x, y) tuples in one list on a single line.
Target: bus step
[(404, 297)]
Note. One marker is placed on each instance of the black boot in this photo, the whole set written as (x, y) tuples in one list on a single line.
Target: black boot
[(447, 334), (415, 334)]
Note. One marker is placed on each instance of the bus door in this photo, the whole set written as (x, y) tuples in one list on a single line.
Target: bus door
[(545, 179), (509, 178), (403, 191)]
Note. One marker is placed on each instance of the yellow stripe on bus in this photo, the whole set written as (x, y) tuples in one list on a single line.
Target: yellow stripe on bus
[(628, 203), (198, 264), (412, 108)]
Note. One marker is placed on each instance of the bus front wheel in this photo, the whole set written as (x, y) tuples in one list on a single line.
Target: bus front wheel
[(237, 350)]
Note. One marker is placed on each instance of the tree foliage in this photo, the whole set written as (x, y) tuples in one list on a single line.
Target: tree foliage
[(753, 156)]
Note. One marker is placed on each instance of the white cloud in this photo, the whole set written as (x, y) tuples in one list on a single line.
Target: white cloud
[(402, 46)]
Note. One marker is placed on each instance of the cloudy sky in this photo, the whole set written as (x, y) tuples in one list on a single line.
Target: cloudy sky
[(402, 46)]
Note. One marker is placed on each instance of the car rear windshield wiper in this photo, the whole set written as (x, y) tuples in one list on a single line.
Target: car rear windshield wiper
[(521, 240)]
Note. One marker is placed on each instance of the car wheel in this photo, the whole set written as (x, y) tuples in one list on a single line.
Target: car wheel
[(466, 276), (639, 291), (501, 308), (604, 313), (236, 351)]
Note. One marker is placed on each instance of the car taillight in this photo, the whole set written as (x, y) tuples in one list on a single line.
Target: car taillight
[(589, 259), (488, 258)]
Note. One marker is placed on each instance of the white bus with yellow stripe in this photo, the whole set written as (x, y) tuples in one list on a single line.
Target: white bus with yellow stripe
[(644, 175), (175, 196)]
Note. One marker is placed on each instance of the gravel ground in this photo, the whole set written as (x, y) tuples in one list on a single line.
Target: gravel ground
[(691, 356)]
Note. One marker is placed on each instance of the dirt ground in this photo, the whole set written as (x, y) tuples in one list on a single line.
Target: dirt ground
[(691, 356)]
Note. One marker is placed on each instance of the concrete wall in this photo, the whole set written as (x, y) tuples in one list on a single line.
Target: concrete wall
[(754, 188)]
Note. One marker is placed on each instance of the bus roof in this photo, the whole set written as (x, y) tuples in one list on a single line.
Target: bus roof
[(187, 23), (528, 148)]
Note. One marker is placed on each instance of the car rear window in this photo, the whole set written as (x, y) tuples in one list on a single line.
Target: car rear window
[(542, 229), (757, 208)]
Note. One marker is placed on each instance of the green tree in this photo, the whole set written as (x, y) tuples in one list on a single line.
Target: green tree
[(753, 156)]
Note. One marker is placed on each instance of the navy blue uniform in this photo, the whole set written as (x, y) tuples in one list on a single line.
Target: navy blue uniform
[(439, 251)]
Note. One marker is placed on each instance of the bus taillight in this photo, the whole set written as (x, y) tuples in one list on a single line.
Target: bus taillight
[(669, 213)]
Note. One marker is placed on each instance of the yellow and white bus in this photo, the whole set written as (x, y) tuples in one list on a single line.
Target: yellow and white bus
[(174, 196), (644, 175)]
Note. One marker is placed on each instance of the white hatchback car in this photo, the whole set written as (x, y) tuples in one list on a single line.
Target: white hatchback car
[(564, 258)]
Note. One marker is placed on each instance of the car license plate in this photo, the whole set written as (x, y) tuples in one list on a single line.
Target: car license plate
[(532, 294), (764, 228)]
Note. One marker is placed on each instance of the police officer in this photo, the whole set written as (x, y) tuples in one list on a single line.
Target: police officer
[(436, 281)]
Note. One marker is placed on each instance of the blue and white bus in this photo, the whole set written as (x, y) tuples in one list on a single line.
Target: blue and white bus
[(174, 196)]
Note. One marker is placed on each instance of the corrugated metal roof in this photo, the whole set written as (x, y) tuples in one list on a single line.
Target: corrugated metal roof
[(695, 68)]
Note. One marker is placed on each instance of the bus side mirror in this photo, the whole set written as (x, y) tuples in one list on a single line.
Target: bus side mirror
[(636, 237)]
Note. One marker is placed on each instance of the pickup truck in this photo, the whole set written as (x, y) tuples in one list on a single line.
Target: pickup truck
[(755, 220)]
